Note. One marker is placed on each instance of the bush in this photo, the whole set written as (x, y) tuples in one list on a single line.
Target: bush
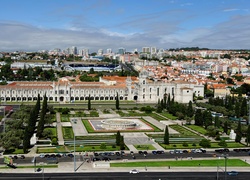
[(103, 146), (217, 138), (194, 144), (113, 146), (185, 144), (223, 143), (205, 143), (54, 141)]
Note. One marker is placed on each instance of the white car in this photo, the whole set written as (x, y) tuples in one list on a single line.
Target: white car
[(134, 171)]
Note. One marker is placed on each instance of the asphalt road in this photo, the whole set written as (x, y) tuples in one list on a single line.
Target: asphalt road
[(123, 175)]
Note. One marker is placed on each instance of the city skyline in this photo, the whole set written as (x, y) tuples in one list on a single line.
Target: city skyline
[(103, 24)]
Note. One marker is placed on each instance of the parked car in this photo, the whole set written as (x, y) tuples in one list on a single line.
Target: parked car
[(22, 157), (154, 152), (232, 173), (134, 171)]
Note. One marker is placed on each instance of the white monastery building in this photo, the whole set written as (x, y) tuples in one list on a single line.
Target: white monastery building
[(140, 89)]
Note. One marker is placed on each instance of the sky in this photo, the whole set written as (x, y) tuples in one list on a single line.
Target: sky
[(32, 25)]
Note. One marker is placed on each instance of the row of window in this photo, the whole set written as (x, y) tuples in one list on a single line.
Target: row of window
[(51, 98), (57, 92)]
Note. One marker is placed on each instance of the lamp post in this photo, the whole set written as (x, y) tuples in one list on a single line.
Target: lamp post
[(74, 122), (74, 153), (225, 156)]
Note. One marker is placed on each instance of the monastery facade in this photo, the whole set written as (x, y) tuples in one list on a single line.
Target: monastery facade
[(139, 89)]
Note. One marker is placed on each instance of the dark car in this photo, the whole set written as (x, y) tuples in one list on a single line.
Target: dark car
[(154, 152), (96, 154), (232, 173), (70, 155), (140, 152), (96, 159), (117, 153), (22, 157), (106, 159), (160, 152)]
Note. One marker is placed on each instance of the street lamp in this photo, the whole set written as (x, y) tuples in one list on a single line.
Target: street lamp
[(225, 156), (74, 153), (74, 122)]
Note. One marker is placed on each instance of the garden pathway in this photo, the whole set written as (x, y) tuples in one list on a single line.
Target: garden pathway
[(78, 127), (59, 129)]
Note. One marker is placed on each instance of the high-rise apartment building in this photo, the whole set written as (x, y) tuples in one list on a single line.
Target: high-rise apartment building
[(100, 52), (121, 50), (146, 50), (73, 50), (109, 51)]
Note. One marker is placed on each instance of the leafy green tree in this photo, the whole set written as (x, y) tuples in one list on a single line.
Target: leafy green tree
[(117, 103), (89, 103), (118, 138), (166, 136)]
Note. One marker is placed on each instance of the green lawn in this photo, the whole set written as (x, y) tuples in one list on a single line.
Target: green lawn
[(64, 118), (67, 149), (145, 147), (198, 129), (184, 132), (53, 130), (184, 163), (169, 116), (88, 126), (67, 133), (157, 117)]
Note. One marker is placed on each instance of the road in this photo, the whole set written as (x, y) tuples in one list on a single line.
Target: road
[(123, 176)]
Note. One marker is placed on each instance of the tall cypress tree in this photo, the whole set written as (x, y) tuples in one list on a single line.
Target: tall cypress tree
[(237, 109), (208, 119), (238, 132), (166, 136), (118, 138), (168, 102), (216, 122), (41, 122), (248, 135), (117, 103), (190, 111), (89, 103), (198, 118), (243, 109), (122, 144), (225, 127)]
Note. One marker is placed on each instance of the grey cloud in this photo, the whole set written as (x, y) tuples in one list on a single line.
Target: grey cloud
[(234, 33)]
